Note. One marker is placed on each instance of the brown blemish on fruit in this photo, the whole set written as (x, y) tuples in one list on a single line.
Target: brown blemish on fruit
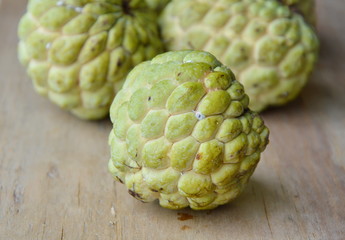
[(185, 227), (184, 216), (134, 194), (198, 156), (119, 179)]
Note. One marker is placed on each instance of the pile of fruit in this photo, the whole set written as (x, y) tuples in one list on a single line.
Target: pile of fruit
[(183, 81)]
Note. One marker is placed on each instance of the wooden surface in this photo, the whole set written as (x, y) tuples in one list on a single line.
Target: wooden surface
[(54, 182)]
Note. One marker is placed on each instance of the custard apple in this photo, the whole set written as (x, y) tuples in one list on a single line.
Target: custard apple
[(182, 132), (78, 52), (271, 50)]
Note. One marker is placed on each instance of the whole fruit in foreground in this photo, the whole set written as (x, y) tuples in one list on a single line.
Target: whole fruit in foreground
[(78, 52), (271, 50), (183, 133)]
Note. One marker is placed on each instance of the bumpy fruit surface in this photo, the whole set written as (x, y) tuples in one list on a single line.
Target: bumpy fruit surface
[(271, 50), (157, 5), (183, 133), (78, 52), (304, 7)]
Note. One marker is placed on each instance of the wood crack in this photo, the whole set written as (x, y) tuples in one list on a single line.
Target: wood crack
[(266, 215), (62, 233)]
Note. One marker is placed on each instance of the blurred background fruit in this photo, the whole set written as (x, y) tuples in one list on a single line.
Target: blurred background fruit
[(78, 52), (271, 49)]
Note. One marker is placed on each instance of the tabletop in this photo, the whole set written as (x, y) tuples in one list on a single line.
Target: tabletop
[(54, 182)]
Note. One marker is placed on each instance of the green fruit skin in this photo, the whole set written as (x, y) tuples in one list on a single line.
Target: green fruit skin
[(304, 7), (157, 5), (271, 50), (183, 134), (78, 52)]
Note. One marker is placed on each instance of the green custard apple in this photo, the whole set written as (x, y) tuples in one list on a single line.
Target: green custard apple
[(271, 49), (182, 132), (78, 52)]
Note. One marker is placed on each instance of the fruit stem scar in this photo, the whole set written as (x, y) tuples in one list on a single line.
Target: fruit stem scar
[(199, 115)]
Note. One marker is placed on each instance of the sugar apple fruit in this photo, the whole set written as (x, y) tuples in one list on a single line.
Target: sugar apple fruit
[(78, 52), (271, 50), (183, 133)]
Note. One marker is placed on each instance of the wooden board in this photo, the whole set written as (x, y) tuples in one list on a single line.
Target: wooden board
[(54, 182)]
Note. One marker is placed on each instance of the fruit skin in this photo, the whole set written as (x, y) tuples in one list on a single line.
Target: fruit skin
[(78, 52), (304, 7), (271, 50), (182, 132), (157, 5)]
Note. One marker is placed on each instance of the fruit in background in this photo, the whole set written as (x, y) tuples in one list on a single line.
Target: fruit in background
[(182, 132), (78, 52), (271, 50)]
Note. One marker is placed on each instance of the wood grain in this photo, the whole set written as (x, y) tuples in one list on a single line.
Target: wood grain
[(54, 182)]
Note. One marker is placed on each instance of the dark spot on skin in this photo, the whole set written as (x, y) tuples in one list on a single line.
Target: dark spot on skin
[(134, 194), (184, 216), (153, 190), (160, 189), (119, 179), (185, 227), (136, 155), (126, 8), (179, 74), (119, 63), (149, 99), (198, 156)]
